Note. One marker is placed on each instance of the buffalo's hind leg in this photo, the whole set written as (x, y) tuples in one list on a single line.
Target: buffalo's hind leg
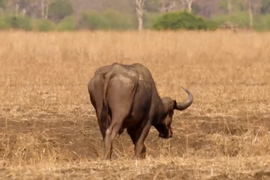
[(111, 133), (120, 104)]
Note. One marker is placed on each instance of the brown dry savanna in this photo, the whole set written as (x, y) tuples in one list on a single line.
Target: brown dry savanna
[(48, 128)]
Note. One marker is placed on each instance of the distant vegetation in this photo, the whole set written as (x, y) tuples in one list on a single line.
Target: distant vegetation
[(59, 15), (183, 20), (109, 19), (241, 20)]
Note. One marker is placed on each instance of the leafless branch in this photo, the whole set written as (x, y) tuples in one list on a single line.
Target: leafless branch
[(168, 6), (187, 4)]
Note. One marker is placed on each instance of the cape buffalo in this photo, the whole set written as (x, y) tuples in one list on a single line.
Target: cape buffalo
[(126, 97)]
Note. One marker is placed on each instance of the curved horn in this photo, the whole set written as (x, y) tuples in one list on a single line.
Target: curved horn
[(184, 104)]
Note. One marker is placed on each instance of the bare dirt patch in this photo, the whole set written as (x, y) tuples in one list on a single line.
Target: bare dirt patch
[(68, 141)]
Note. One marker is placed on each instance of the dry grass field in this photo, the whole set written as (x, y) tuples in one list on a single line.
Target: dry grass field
[(48, 129)]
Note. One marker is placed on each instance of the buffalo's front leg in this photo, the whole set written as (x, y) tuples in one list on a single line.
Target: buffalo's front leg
[(138, 136), (140, 151)]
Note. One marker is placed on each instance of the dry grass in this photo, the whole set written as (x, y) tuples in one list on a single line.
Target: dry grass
[(49, 131)]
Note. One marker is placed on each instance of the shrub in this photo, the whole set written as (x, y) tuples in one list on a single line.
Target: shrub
[(117, 20), (18, 22), (3, 23), (211, 25), (93, 21), (149, 19), (69, 23), (43, 25), (183, 20), (59, 9)]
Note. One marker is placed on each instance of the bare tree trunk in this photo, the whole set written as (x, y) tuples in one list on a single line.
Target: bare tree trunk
[(162, 8), (17, 9), (189, 5), (229, 6), (47, 9), (250, 11), (42, 9), (139, 10), (140, 23), (23, 11)]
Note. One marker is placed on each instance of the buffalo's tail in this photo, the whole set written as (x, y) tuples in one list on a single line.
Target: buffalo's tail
[(105, 118)]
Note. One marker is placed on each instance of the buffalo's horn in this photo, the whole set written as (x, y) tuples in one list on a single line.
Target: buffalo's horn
[(184, 104)]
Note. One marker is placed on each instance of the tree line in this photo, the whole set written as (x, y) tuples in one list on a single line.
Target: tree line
[(45, 15)]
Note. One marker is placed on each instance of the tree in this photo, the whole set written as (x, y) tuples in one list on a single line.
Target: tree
[(265, 7), (3, 4), (59, 9), (253, 6), (230, 6), (25, 7), (226, 6), (206, 8), (159, 5), (250, 12), (250, 6), (152, 6), (139, 10), (167, 6), (183, 20), (44, 8), (15, 4), (187, 4)]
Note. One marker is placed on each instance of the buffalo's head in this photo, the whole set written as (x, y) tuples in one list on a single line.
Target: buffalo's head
[(166, 110)]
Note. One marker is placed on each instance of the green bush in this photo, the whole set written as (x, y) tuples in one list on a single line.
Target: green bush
[(69, 23), (117, 20), (261, 23), (211, 25), (43, 25), (148, 20), (3, 23), (18, 22), (59, 9), (93, 21), (183, 20)]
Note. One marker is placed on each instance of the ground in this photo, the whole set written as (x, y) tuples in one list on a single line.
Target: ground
[(48, 128)]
